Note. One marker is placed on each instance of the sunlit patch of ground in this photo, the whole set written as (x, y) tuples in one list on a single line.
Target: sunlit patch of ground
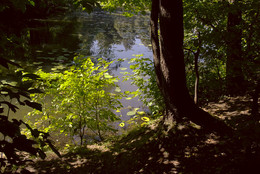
[(230, 107)]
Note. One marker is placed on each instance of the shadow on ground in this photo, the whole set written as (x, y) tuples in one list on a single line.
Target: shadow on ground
[(182, 149)]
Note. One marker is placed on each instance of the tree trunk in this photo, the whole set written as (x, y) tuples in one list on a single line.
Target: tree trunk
[(255, 110), (81, 132), (170, 68), (234, 75), (196, 69)]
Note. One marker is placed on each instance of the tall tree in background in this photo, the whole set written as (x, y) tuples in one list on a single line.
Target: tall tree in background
[(170, 67), (234, 77)]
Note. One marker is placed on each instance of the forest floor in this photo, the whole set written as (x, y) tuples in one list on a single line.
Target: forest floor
[(185, 148)]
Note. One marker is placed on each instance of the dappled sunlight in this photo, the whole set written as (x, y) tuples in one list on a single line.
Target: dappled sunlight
[(182, 149), (112, 94), (230, 107)]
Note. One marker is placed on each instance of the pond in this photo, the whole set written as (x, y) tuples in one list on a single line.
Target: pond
[(54, 42), (99, 34)]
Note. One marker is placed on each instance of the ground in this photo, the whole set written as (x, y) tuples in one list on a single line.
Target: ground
[(185, 148)]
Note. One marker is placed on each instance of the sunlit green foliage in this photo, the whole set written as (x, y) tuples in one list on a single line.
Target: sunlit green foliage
[(144, 78), (86, 5), (129, 7), (138, 118), (83, 99)]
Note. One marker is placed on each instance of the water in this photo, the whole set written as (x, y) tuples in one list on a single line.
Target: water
[(99, 34), (54, 42)]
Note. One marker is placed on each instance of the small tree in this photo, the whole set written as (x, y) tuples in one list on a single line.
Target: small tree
[(80, 99)]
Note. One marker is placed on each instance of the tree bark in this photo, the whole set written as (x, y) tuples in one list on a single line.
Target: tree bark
[(196, 69), (234, 75), (170, 67), (255, 108)]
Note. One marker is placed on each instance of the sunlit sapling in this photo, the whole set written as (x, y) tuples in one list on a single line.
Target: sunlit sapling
[(82, 99), (143, 76)]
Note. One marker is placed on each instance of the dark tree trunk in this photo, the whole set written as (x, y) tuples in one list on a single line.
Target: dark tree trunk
[(234, 75), (170, 67), (255, 109)]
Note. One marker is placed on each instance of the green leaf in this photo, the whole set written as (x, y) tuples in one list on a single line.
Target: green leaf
[(143, 124), (141, 112), (130, 113), (122, 124), (108, 76), (114, 80), (123, 68), (127, 92), (124, 73), (118, 89), (150, 104), (145, 119), (134, 66), (32, 2)]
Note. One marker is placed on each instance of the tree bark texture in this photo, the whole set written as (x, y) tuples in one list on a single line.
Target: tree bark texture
[(170, 67)]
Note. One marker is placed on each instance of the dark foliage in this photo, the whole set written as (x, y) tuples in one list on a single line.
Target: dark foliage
[(13, 143)]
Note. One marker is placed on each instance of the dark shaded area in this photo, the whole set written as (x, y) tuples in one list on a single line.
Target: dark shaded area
[(183, 149)]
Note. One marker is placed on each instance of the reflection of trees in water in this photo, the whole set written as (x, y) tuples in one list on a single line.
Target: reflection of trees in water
[(142, 26), (102, 30), (131, 28), (105, 45), (58, 32), (62, 36), (126, 29), (97, 28)]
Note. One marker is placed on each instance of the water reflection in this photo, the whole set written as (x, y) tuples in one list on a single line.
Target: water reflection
[(102, 31), (99, 34), (54, 42)]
